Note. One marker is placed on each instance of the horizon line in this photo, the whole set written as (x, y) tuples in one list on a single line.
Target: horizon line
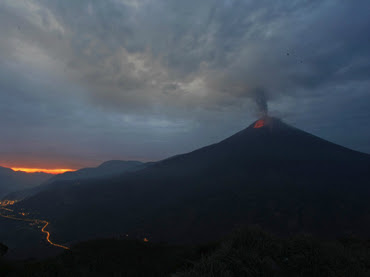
[(43, 170)]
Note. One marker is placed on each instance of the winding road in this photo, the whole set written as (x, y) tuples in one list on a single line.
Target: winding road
[(36, 221)]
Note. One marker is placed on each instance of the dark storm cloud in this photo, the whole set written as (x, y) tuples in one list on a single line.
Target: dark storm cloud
[(131, 52), (177, 71)]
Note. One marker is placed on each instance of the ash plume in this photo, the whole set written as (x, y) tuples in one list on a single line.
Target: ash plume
[(259, 96)]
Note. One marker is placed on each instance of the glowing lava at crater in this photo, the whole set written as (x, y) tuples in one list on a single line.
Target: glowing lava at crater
[(260, 123)]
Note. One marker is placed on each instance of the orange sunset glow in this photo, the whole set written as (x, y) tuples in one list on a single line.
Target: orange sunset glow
[(45, 170)]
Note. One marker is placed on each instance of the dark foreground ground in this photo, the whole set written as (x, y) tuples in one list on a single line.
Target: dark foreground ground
[(246, 252)]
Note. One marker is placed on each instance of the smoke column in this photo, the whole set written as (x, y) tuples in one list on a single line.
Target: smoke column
[(259, 96)]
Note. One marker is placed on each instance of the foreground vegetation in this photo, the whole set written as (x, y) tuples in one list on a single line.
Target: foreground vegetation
[(252, 252), (247, 252)]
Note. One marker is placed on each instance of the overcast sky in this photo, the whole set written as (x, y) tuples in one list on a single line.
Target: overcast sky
[(86, 81)]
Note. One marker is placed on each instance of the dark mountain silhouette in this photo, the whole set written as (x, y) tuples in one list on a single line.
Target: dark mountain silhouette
[(106, 169), (270, 174), (11, 180)]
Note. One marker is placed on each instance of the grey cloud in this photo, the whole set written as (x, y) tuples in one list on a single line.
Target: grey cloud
[(128, 54)]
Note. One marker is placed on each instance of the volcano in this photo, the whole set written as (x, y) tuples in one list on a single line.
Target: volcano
[(270, 174)]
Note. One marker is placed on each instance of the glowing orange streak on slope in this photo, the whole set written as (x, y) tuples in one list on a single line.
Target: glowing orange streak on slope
[(42, 230), (51, 171)]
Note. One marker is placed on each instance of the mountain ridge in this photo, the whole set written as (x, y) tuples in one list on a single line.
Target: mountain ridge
[(11, 181), (104, 170), (277, 176)]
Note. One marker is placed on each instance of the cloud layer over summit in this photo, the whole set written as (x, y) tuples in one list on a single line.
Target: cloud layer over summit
[(87, 81)]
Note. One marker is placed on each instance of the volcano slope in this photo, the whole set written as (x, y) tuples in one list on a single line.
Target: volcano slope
[(276, 176)]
